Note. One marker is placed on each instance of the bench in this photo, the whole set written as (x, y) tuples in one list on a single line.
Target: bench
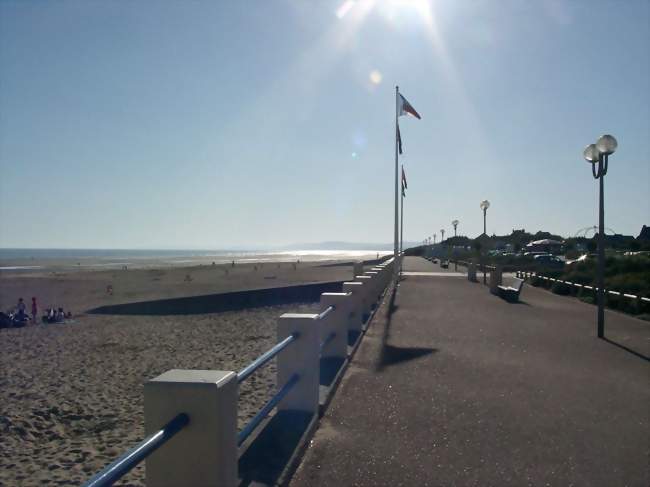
[(511, 293)]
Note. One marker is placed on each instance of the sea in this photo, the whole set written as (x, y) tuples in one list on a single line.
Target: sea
[(35, 260)]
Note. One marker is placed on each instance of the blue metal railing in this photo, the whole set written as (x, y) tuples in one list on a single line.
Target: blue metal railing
[(266, 409), (251, 368), (124, 464), (262, 360), (327, 340), (325, 312)]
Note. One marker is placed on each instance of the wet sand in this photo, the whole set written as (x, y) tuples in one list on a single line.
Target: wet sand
[(71, 395)]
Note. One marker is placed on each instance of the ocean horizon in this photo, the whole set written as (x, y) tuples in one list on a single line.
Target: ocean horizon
[(17, 259)]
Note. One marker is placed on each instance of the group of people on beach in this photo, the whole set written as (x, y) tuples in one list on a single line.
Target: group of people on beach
[(18, 317)]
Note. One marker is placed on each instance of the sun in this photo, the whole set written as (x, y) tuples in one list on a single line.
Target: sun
[(394, 9)]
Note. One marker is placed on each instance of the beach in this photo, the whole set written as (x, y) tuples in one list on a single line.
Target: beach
[(71, 395)]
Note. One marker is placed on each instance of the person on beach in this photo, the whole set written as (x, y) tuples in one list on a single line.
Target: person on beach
[(51, 316), (34, 310), (21, 310)]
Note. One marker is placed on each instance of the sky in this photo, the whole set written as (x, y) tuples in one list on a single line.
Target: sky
[(261, 123)]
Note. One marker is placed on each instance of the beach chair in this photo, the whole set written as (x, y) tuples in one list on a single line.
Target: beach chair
[(511, 293)]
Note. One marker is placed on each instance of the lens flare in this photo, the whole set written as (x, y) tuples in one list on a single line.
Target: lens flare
[(344, 8), (375, 77)]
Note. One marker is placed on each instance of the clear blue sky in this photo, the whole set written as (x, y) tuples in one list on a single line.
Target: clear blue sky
[(220, 124)]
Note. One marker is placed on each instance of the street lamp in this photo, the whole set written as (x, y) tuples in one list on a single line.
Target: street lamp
[(442, 233), (434, 238), (598, 156), (485, 204), (455, 224)]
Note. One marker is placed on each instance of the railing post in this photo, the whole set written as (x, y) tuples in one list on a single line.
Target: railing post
[(335, 322), (374, 286), (367, 295), (357, 270), (301, 358), (205, 451), (382, 277), (356, 312)]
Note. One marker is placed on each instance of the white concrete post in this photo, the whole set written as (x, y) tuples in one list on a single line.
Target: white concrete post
[(382, 279), (374, 286), (367, 293), (300, 357), (356, 312), (337, 322), (205, 451), (358, 269)]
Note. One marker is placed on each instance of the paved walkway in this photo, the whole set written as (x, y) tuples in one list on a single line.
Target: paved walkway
[(454, 386)]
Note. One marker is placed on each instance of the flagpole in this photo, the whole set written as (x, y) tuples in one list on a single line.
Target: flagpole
[(395, 249), (401, 230)]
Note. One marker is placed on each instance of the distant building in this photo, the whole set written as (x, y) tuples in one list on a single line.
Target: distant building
[(645, 233), (545, 245), (618, 239)]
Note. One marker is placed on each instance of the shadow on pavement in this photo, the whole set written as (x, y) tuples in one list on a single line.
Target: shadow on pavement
[(391, 355), (627, 349)]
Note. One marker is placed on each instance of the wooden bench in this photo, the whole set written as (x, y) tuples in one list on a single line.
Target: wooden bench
[(511, 293)]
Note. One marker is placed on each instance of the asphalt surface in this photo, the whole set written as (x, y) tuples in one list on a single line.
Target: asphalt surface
[(454, 386)]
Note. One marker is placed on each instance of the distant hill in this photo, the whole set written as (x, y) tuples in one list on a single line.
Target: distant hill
[(338, 245)]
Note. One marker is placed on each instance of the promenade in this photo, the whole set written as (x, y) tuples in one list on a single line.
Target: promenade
[(454, 386)]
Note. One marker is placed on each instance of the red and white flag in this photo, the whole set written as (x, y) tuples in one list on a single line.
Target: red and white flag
[(405, 108)]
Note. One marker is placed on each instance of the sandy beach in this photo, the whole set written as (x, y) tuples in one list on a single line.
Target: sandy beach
[(71, 394)]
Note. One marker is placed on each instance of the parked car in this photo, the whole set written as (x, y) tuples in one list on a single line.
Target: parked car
[(548, 260)]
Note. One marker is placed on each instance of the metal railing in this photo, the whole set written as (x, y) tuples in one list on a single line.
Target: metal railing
[(246, 431), (327, 341), (529, 275), (267, 356), (262, 360), (325, 312), (128, 461)]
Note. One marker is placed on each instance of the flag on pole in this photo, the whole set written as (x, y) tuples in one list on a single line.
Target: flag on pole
[(405, 108), (404, 185), (399, 140)]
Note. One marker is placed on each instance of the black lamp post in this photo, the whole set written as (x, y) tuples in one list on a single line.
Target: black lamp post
[(598, 156), (455, 224)]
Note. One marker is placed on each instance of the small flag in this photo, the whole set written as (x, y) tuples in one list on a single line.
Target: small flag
[(404, 185), (405, 108), (399, 140)]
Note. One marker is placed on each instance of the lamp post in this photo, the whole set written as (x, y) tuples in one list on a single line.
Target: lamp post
[(434, 238), (442, 235), (598, 156), (455, 225), (485, 204)]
